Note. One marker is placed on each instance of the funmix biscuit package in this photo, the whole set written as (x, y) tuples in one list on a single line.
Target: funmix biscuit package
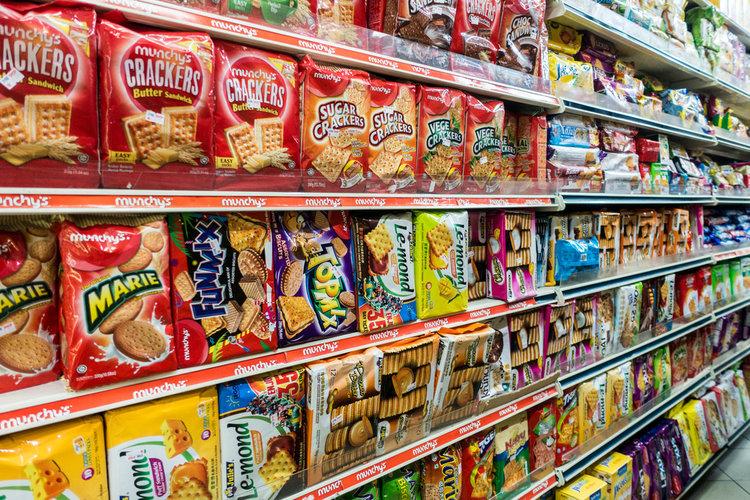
[(441, 261), (559, 328), (567, 425), (65, 460), (29, 352), (222, 297), (511, 249), (526, 348), (484, 145), (583, 339), (257, 144), (313, 277), (647, 316), (619, 394), (392, 137), (156, 93), (676, 228), (442, 473), (511, 459), (261, 433), (115, 307), (542, 435), (336, 108), (167, 448), (617, 471), (477, 455), (442, 133), (384, 269), (48, 98)]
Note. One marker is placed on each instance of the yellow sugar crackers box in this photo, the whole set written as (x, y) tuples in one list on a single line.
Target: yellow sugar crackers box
[(617, 471), (584, 487), (441, 263), (165, 448), (64, 460)]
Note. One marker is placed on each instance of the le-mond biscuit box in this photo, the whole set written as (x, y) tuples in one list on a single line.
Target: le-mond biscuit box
[(168, 448), (313, 276), (384, 268), (222, 295), (66, 460), (261, 434)]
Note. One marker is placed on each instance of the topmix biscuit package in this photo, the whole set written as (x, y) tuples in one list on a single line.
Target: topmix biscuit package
[(48, 98), (156, 94)]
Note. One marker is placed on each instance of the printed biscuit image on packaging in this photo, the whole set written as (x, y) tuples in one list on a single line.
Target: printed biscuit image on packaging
[(617, 472), (484, 145), (609, 239), (687, 295), (645, 231), (442, 473), (313, 278), (542, 435), (477, 454), (476, 30), (619, 395), (627, 315), (222, 294), (511, 459), (384, 270), (676, 228), (736, 286), (497, 378), (559, 328), (583, 339), (168, 448), (589, 409), (477, 261), (336, 109), (628, 237), (567, 425), (261, 434), (526, 348), (665, 302), (511, 252)]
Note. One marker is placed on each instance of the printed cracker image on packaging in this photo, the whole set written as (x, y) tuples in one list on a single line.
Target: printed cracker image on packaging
[(511, 460), (157, 102), (441, 262), (511, 249), (542, 435), (222, 296), (115, 307), (484, 145), (257, 120), (526, 348), (64, 460), (313, 278), (168, 448), (567, 425), (261, 434), (558, 326), (48, 98)]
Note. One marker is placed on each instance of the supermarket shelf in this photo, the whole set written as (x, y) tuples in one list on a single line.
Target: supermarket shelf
[(730, 145), (741, 250), (732, 200), (731, 306), (585, 198), (536, 489), (729, 358)]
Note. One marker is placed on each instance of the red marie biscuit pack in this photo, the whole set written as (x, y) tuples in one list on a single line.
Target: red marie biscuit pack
[(48, 98), (116, 320), (156, 98), (257, 120)]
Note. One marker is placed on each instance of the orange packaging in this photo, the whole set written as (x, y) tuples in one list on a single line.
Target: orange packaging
[(484, 145), (531, 148)]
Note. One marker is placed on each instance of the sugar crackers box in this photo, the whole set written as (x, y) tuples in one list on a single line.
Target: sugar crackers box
[(384, 269), (313, 275), (222, 298)]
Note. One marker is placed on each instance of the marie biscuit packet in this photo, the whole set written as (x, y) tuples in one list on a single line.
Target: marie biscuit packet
[(511, 461), (617, 472), (222, 296)]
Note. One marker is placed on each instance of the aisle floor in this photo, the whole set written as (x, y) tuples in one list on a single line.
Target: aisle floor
[(730, 477)]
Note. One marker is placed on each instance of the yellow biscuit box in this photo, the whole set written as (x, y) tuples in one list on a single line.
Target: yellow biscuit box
[(585, 487), (165, 448), (617, 471), (65, 460)]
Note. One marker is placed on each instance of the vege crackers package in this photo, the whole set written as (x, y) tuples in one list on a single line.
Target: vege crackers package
[(65, 460), (511, 249), (484, 145), (165, 448)]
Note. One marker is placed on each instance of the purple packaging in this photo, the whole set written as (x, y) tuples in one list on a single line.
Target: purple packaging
[(558, 326), (675, 485), (511, 255), (643, 381), (599, 47), (678, 451), (312, 264), (660, 478), (641, 482)]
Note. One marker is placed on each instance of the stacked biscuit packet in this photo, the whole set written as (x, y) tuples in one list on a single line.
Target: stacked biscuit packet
[(526, 347), (559, 325), (582, 351), (511, 248)]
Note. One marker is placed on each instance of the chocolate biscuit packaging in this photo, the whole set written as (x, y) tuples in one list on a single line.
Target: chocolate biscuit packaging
[(511, 251), (484, 145), (257, 129), (521, 35), (48, 98), (157, 101), (476, 29), (429, 22), (559, 329), (497, 377), (222, 294), (384, 270)]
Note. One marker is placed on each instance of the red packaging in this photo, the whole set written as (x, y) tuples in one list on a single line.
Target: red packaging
[(156, 94), (531, 148), (520, 32), (429, 22), (442, 131), (678, 350), (116, 317), (542, 435), (648, 150), (696, 349), (50, 133), (645, 171), (567, 425), (484, 145), (705, 291), (477, 455), (618, 138), (336, 109), (476, 29), (392, 137), (257, 120), (510, 139), (687, 298)]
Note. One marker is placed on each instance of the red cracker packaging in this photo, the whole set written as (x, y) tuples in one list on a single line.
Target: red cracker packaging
[(476, 30), (484, 145), (531, 148), (393, 137), (442, 132), (521, 41), (257, 120), (48, 98), (156, 94), (336, 109), (115, 310)]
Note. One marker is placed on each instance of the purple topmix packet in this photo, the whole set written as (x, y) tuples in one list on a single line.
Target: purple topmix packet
[(641, 482), (660, 478)]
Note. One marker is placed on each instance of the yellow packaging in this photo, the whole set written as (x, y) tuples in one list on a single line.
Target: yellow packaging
[(619, 395), (441, 253), (584, 487), (65, 460), (697, 430), (591, 407), (617, 471), (678, 414), (165, 447)]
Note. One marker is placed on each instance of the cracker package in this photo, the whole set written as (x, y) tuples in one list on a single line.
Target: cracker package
[(617, 471), (511, 252), (717, 432), (442, 473), (662, 370), (442, 132), (609, 239), (261, 433), (526, 348), (542, 435), (336, 108), (522, 31), (531, 148), (477, 455), (619, 395), (627, 314), (583, 339), (567, 425), (695, 415), (65, 460), (476, 29), (678, 350), (484, 145), (257, 117), (665, 303), (313, 278), (48, 98), (687, 298), (720, 283), (115, 307), (404, 483), (511, 454), (441, 262), (477, 255), (168, 448), (384, 270), (156, 93), (392, 137), (510, 137), (337, 20), (606, 342), (343, 404), (296, 16), (585, 487), (559, 329), (367, 491), (222, 296), (590, 412), (29, 347)]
